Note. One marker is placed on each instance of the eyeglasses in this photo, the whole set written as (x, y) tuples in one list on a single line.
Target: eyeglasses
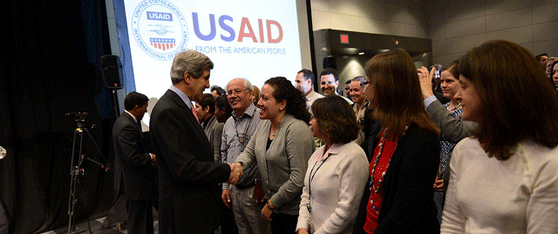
[(235, 92)]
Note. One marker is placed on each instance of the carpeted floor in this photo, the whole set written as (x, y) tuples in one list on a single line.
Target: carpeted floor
[(96, 226)]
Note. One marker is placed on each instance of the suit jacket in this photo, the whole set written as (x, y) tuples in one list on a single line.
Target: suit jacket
[(453, 129), (132, 159), (284, 164), (408, 205), (189, 197)]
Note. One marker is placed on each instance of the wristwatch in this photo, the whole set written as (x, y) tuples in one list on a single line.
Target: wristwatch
[(269, 206)]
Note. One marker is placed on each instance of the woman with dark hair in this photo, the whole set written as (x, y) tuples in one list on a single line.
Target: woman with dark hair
[(281, 147), (404, 163), (223, 109), (503, 179), (337, 172), (554, 74), (217, 91), (549, 64)]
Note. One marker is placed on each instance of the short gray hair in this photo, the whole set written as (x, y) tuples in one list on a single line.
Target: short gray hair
[(247, 84), (360, 79), (190, 61)]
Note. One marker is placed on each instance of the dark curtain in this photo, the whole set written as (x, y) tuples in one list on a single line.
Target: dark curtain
[(49, 66)]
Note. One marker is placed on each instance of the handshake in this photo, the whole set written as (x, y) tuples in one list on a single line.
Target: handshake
[(236, 173)]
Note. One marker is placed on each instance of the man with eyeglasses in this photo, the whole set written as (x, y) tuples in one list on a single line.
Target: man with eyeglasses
[(360, 107), (237, 132)]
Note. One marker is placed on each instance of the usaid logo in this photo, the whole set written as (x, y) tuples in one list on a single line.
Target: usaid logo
[(151, 15), (159, 29)]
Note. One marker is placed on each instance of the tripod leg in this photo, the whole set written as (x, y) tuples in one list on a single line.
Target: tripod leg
[(96, 146), (74, 172), (71, 196)]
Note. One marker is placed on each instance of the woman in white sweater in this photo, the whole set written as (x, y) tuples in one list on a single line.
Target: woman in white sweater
[(337, 172), (504, 179)]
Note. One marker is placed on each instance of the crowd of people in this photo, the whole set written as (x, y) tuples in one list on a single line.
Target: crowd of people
[(550, 66), (466, 147)]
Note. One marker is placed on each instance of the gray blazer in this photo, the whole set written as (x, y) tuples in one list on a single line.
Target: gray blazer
[(283, 166), (452, 128)]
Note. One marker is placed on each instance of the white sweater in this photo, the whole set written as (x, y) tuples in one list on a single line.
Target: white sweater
[(485, 195), (337, 188)]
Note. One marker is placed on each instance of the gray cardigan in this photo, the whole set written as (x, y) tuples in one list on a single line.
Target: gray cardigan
[(283, 166), (213, 130)]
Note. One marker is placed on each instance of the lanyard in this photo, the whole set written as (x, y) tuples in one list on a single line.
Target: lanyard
[(243, 138), (311, 176)]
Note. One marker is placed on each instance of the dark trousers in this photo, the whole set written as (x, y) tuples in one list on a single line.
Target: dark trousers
[(228, 225), (140, 216), (4, 222), (283, 223)]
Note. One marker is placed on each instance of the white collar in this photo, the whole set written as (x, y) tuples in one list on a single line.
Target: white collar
[(133, 117)]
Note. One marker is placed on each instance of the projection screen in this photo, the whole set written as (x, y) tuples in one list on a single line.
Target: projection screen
[(250, 39)]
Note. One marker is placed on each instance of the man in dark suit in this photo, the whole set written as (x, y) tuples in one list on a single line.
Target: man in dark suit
[(189, 195), (134, 165)]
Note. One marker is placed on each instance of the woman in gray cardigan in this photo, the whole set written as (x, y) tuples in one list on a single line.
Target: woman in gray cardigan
[(281, 147)]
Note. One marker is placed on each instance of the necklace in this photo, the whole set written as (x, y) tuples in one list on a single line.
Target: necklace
[(374, 188), (378, 156), (455, 108), (273, 133)]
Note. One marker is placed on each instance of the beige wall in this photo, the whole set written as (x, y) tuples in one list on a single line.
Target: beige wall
[(455, 26), (401, 18)]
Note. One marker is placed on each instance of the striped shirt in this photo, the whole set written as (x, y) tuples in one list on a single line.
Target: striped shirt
[(237, 132)]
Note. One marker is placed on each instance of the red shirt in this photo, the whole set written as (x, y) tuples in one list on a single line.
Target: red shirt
[(372, 215)]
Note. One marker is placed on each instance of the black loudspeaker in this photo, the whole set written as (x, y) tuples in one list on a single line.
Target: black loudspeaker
[(112, 71), (329, 62)]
